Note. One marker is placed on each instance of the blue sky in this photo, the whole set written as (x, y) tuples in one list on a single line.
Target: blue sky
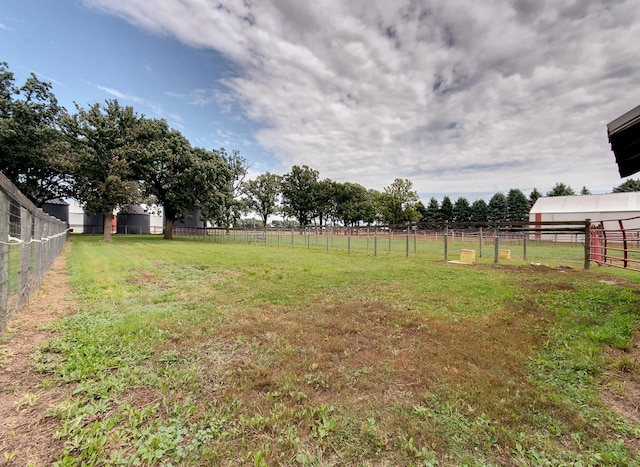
[(463, 98)]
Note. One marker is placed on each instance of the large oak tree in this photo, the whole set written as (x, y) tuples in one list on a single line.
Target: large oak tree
[(106, 154)]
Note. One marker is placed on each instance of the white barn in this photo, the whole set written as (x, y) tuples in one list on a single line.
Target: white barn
[(606, 209)]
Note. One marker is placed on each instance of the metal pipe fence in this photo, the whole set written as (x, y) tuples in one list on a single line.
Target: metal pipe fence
[(30, 240), (616, 242), (560, 240)]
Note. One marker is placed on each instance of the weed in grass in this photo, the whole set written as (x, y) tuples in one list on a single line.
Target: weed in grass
[(27, 400)]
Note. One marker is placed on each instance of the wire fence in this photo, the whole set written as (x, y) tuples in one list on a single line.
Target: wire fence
[(30, 240), (539, 242)]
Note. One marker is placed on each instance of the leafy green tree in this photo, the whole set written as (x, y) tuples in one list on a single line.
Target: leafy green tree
[(628, 186), (105, 147), (261, 195), (213, 199), (585, 191), (497, 208), (33, 152), (479, 211), (399, 200), (178, 177), (533, 197), (325, 200), (299, 189), (517, 206), (446, 209), (379, 206), (560, 189), (353, 204), (461, 210), (422, 210), (232, 206)]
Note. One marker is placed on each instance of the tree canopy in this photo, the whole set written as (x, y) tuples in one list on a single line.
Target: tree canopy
[(33, 153), (627, 186), (560, 189), (104, 150), (261, 195), (298, 193)]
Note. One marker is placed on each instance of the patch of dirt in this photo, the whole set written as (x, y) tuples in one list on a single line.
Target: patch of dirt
[(621, 391), (27, 436)]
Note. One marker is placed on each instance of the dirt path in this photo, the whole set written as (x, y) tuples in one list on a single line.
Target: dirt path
[(27, 436)]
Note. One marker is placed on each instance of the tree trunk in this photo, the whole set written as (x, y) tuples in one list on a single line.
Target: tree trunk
[(106, 228), (168, 230)]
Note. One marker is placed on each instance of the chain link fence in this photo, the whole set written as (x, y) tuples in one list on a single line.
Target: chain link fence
[(29, 242)]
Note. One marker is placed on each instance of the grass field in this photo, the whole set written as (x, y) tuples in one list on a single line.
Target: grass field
[(195, 353)]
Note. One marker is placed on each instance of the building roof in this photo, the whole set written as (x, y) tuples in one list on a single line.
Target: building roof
[(624, 136), (58, 202), (625, 203)]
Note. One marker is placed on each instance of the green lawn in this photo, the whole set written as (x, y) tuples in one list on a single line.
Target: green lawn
[(189, 353)]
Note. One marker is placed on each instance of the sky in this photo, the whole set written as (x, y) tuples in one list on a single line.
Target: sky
[(463, 98)]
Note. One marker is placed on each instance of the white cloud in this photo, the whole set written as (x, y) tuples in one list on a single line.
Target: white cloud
[(120, 94), (458, 96)]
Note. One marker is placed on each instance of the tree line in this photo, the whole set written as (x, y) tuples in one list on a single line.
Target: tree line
[(107, 156)]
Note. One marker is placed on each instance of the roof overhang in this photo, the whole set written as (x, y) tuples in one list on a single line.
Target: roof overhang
[(624, 136)]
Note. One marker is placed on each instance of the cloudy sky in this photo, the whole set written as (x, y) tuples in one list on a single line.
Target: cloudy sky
[(463, 98)]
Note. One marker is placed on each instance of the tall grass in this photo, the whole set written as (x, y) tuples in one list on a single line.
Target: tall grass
[(194, 353)]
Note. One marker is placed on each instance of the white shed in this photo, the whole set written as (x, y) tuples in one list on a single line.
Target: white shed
[(581, 207), (607, 209)]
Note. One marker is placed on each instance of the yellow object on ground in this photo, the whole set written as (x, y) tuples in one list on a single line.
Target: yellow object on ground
[(468, 256), (504, 254)]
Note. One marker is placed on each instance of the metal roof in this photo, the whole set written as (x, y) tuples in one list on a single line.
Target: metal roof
[(624, 203), (624, 136)]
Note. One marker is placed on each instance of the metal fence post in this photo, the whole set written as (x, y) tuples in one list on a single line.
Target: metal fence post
[(446, 240), (496, 242), (587, 244), (375, 242)]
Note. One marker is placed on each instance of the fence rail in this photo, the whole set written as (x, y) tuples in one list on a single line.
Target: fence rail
[(616, 242), (440, 239), (29, 242)]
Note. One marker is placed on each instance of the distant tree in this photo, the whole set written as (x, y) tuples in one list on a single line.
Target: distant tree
[(446, 209), (517, 206), (232, 205), (262, 194), (560, 189), (479, 211), (353, 204), (533, 197), (497, 208), (178, 177), (585, 191), (105, 151), (461, 210), (400, 200), (379, 206), (324, 201), (433, 213), (33, 152), (422, 211), (627, 186), (299, 193)]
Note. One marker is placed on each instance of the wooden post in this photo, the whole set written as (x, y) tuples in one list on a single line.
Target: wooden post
[(480, 246)]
